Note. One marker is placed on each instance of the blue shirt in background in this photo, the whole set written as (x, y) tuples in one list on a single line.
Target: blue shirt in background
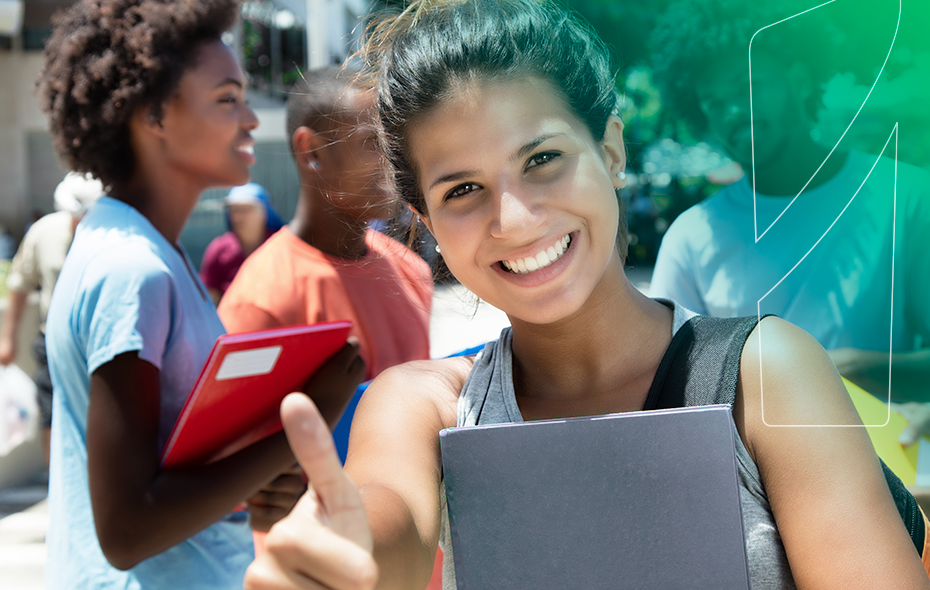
[(125, 288)]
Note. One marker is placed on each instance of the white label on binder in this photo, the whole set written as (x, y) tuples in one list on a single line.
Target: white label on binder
[(248, 363)]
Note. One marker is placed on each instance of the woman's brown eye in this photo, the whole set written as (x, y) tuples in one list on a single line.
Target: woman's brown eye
[(461, 190), (541, 159)]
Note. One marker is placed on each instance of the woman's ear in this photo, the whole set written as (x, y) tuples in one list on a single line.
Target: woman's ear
[(146, 120), (306, 144), (615, 151), (422, 218)]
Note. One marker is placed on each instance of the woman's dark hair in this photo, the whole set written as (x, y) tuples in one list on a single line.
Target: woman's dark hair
[(692, 33), (417, 59), (108, 58)]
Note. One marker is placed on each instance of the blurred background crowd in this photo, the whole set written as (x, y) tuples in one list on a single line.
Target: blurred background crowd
[(870, 60), (671, 166)]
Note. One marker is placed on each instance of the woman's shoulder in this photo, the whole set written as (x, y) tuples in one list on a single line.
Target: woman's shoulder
[(778, 353), (441, 376), (786, 378), (420, 386), (119, 258)]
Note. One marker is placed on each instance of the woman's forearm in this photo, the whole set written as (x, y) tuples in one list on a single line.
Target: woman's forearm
[(405, 560), (180, 503)]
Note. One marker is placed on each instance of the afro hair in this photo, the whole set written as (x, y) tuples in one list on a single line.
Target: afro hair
[(692, 33), (108, 58)]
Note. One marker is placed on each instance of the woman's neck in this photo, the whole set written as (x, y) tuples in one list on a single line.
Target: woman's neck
[(600, 360), (165, 204)]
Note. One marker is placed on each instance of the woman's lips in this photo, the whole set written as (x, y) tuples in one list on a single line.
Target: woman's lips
[(539, 261), (247, 151)]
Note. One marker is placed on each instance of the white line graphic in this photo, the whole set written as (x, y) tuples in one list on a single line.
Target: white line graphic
[(752, 125), (894, 214), (894, 133)]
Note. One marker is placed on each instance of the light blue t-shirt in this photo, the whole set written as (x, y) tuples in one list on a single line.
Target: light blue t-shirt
[(125, 288), (835, 282)]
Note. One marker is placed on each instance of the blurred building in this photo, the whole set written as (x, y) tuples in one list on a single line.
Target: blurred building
[(276, 39)]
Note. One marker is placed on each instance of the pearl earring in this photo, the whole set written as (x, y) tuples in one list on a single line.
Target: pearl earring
[(621, 175), (438, 251)]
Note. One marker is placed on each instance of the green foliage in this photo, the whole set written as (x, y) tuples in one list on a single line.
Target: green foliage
[(866, 30), (272, 47)]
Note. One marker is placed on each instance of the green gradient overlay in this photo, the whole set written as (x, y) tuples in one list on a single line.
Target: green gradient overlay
[(902, 92), (827, 80), (875, 102)]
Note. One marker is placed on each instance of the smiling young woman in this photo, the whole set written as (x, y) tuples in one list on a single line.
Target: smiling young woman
[(146, 97), (498, 122), (201, 139), (511, 158)]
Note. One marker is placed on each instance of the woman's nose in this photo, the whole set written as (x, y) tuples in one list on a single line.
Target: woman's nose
[(249, 118), (517, 214)]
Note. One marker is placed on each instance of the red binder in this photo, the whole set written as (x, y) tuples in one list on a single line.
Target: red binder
[(236, 399)]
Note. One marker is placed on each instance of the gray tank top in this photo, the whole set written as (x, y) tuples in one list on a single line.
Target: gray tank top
[(488, 398)]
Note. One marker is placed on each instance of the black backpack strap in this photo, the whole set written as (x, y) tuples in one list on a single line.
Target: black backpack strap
[(908, 509), (701, 367), (701, 364)]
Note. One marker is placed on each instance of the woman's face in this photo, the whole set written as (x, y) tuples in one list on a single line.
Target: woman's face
[(519, 196), (207, 123), (247, 221)]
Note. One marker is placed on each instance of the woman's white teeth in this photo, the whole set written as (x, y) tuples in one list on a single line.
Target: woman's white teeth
[(541, 260)]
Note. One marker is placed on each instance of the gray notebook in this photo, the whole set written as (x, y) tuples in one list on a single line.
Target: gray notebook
[(644, 500)]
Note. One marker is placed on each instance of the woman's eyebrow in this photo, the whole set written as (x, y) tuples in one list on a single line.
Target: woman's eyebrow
[(227, 81), (532, 145), (453, 177)]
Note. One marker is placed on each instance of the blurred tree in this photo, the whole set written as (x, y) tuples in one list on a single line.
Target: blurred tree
[(867, 28), (272, 45)]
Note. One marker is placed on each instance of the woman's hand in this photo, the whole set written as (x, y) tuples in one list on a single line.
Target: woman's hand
[(918, 421), (331, 388), (275, 501), (325, 542)]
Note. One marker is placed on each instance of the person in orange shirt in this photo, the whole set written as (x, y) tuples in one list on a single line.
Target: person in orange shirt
[(327, 264)]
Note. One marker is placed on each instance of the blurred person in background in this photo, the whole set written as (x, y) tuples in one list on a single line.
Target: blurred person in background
[(328, 264), (7, 243), (34, 216), (35, 267), (751, 247), (251, 220)]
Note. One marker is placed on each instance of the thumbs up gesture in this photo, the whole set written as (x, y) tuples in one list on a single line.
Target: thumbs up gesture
[(325, 542)]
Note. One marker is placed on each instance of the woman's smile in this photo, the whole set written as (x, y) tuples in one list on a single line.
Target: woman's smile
[(247, 151), (544, 258)]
